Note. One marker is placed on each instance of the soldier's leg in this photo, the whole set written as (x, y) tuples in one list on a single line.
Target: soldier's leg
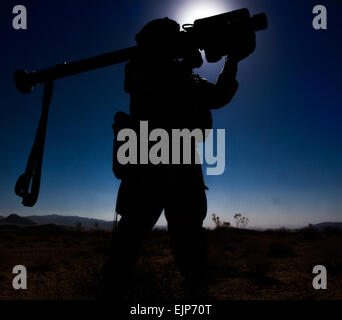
[(185, 217), (138, 218)]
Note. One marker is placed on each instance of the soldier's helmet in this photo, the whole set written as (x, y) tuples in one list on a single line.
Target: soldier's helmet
[(159, 35)]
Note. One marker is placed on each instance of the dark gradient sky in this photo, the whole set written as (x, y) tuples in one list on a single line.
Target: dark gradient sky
[(284, 124)]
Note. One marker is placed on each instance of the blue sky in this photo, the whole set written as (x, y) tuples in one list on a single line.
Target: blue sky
[(283, 126)]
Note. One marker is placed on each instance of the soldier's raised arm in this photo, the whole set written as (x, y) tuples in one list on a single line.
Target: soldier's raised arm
[(222, 92), (226, 85)]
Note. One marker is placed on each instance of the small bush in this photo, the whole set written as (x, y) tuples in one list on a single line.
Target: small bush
[(241, 221), (218, 223)]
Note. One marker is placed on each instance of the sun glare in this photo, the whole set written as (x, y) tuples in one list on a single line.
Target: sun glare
[(191, 10)]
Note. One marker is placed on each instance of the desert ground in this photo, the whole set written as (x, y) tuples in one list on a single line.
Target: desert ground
[(65, 264)]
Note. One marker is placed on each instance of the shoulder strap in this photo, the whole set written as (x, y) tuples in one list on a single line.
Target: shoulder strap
[(32, 175)]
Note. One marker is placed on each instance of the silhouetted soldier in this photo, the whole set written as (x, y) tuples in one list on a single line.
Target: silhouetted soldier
[(164, 91)]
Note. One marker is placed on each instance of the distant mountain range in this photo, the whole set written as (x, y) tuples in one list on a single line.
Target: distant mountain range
[(17, 220), (68, 221), (91, 224), (325, 225)]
